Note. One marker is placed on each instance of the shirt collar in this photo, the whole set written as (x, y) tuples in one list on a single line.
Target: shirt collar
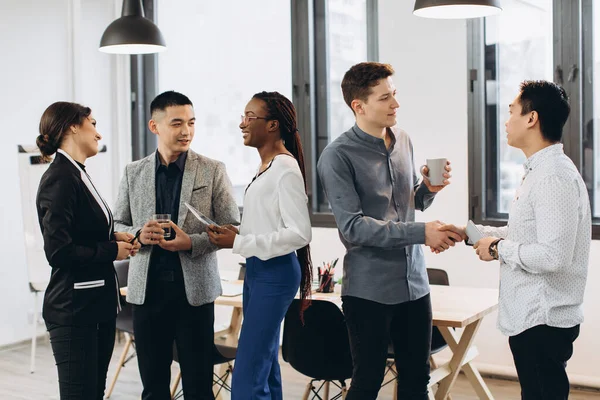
[(372, 140), (179, 163), (540, 156), (64, 153)]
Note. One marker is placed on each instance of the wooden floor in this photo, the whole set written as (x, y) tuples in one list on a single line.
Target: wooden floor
[(17, 383)]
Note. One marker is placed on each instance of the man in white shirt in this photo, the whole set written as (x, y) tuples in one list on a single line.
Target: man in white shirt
[(544, 249)]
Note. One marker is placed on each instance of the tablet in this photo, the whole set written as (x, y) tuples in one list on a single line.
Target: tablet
[(473, 233), (201, 217)]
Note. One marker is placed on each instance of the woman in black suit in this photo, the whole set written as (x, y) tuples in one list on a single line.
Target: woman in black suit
[(82, 300)]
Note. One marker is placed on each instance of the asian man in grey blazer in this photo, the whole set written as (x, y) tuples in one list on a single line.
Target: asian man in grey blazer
[(173, 282)]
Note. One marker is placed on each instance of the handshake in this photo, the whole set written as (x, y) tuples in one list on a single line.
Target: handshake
[(440, 237)]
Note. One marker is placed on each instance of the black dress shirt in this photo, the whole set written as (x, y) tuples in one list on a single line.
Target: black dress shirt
[(164, 264)]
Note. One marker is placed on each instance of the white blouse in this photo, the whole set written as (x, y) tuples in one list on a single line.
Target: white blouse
[(275, 220)]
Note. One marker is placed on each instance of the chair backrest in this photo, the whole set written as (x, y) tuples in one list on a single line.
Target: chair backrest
[(320, 348), (122, 269), (437, 277), (242, 273), (125, 316)]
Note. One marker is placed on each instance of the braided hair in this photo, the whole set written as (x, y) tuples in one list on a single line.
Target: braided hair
[(280, 108)]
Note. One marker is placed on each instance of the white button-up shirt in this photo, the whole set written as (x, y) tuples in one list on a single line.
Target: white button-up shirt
[(544, 257), (275, 220)]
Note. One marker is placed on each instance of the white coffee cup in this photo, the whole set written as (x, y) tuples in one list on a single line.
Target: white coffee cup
[(437, 169)]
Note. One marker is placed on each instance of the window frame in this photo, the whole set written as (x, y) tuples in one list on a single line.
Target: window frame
[(309, 89), (569, 37)]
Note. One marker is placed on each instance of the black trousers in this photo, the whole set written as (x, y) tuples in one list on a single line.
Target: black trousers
[(82, 354), (167, 318), (541, 354), (371, 326)]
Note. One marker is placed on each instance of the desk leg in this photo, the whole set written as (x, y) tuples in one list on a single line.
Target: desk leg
[(234, 327), (459, 351)]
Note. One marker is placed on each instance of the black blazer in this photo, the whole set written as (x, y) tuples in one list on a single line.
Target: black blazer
[(80, 247)]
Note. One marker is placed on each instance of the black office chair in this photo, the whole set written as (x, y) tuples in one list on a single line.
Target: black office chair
[(124, 324), (438, 343), (221, 355), (320, 348)]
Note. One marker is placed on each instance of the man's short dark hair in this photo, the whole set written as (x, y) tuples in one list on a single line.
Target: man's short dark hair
[(551, 103), (360, 78), (169, 99)]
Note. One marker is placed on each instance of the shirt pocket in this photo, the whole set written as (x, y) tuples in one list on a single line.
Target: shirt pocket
[(88, 284)]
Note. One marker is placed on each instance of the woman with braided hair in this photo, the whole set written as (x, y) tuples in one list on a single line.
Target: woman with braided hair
[(274, 237)]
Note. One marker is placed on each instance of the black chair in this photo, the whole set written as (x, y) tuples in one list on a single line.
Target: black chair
[(242, 273), (438, 343), (221, 355), (124, 324), (319, 348), (437, 277)]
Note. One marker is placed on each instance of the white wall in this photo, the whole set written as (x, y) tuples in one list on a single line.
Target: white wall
[(50, 54)]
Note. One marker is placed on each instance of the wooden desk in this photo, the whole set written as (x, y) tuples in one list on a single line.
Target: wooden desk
[(452, 307)]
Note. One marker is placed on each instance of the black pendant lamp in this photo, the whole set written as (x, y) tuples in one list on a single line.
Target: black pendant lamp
[(456, 9), (132, 33)]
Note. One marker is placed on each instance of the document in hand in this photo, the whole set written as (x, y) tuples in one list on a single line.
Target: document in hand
[(201, 217), (473, 233)]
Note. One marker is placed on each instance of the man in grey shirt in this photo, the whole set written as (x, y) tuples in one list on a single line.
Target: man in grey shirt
[(370, 181)]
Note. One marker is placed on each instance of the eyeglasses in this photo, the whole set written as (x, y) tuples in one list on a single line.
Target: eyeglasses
[(246, 119)]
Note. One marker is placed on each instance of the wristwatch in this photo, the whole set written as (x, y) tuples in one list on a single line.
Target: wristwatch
[(494, 248)]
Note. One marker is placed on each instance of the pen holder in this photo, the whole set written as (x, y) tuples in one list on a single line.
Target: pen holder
[(326, 283)]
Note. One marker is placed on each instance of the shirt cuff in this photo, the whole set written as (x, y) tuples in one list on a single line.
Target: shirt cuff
[(237, 243), (508, 252), (416, 230)]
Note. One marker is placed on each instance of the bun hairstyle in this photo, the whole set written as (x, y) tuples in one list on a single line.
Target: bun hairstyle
[(55, 122)]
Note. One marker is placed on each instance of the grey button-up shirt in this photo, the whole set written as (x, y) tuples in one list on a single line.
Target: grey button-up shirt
[(373, 193)]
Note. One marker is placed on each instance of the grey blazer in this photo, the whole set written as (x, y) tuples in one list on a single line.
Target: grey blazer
[(205, 186)]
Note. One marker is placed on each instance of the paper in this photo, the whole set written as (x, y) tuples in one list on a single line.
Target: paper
[(201, 217)]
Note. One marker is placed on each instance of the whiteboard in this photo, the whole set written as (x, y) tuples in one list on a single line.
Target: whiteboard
[(31, 168)]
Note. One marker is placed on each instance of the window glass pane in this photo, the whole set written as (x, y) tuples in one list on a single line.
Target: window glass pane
[(219, 54), (518, 46), (591, 111), (347, 45)]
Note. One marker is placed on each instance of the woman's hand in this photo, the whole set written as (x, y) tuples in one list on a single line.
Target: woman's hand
[(231, 228), (222, 237), (125, 249), (123, 237), (129, 238)]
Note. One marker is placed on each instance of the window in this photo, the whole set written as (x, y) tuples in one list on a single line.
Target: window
[(345, 33), (590, 142), (531, 39), (221, 53)]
